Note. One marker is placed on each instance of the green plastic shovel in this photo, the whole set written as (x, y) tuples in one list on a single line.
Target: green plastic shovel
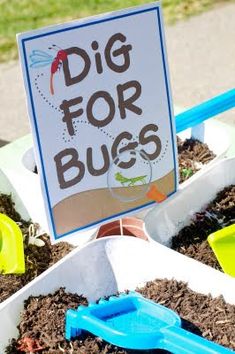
[(11, 247), (222, 243)]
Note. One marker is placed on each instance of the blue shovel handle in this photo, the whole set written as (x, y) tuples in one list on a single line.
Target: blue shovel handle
[(180, 341), (205, 110)]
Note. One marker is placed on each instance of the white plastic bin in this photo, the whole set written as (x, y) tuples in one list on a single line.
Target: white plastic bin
[(106, 266), (163, 223), (6, 187)]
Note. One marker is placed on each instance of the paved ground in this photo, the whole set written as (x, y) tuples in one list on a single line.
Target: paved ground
[(201, 55)]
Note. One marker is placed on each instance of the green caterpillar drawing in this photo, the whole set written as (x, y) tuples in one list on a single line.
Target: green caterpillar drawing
[(129, 181)]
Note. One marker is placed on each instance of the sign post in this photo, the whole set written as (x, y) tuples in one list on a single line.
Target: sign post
[(101, 115)]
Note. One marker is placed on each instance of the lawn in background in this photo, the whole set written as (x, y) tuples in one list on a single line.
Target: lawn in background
[(23, 15)]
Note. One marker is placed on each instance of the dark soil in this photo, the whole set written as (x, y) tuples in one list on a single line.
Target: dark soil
[(192, 239), (7, 207), (192, 154), (37, 259), (42, 321)]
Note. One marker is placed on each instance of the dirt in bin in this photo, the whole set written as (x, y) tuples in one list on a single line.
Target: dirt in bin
[(42, 321), (37, 259), (192, 154), (192, 239)]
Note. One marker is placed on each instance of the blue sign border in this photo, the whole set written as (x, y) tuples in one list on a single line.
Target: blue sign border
[(24, 40)]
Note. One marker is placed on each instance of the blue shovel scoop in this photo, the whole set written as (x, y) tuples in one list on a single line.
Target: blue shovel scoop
[(133, 322)]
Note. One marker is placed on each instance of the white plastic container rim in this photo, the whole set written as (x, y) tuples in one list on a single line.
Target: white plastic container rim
[(161, 224), (110, 265)]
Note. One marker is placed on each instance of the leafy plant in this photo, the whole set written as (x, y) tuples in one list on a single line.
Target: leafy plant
[(186, 172)]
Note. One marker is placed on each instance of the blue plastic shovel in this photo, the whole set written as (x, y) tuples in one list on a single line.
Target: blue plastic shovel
[(133, 322), (205, 110)]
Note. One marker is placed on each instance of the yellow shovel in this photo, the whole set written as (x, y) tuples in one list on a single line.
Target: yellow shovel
[(11, 247), (222, 243)]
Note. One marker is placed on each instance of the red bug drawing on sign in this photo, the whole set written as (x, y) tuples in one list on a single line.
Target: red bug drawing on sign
[(39, 59)]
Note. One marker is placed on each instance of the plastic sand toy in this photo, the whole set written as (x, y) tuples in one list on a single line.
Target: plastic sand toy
[(133, 322), (11, 247), (222, 243), (205, 110)]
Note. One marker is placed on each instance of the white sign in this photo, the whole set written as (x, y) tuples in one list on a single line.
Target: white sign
[(101, 114)]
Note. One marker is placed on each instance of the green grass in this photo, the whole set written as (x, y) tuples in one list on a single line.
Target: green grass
[(22, 15)]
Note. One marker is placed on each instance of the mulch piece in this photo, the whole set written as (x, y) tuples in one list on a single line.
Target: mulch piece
[(192, 155), (42, 320), (37, 259), (192, 239)]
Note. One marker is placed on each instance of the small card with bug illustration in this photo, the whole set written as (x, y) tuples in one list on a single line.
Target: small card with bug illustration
[(100, 109)]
